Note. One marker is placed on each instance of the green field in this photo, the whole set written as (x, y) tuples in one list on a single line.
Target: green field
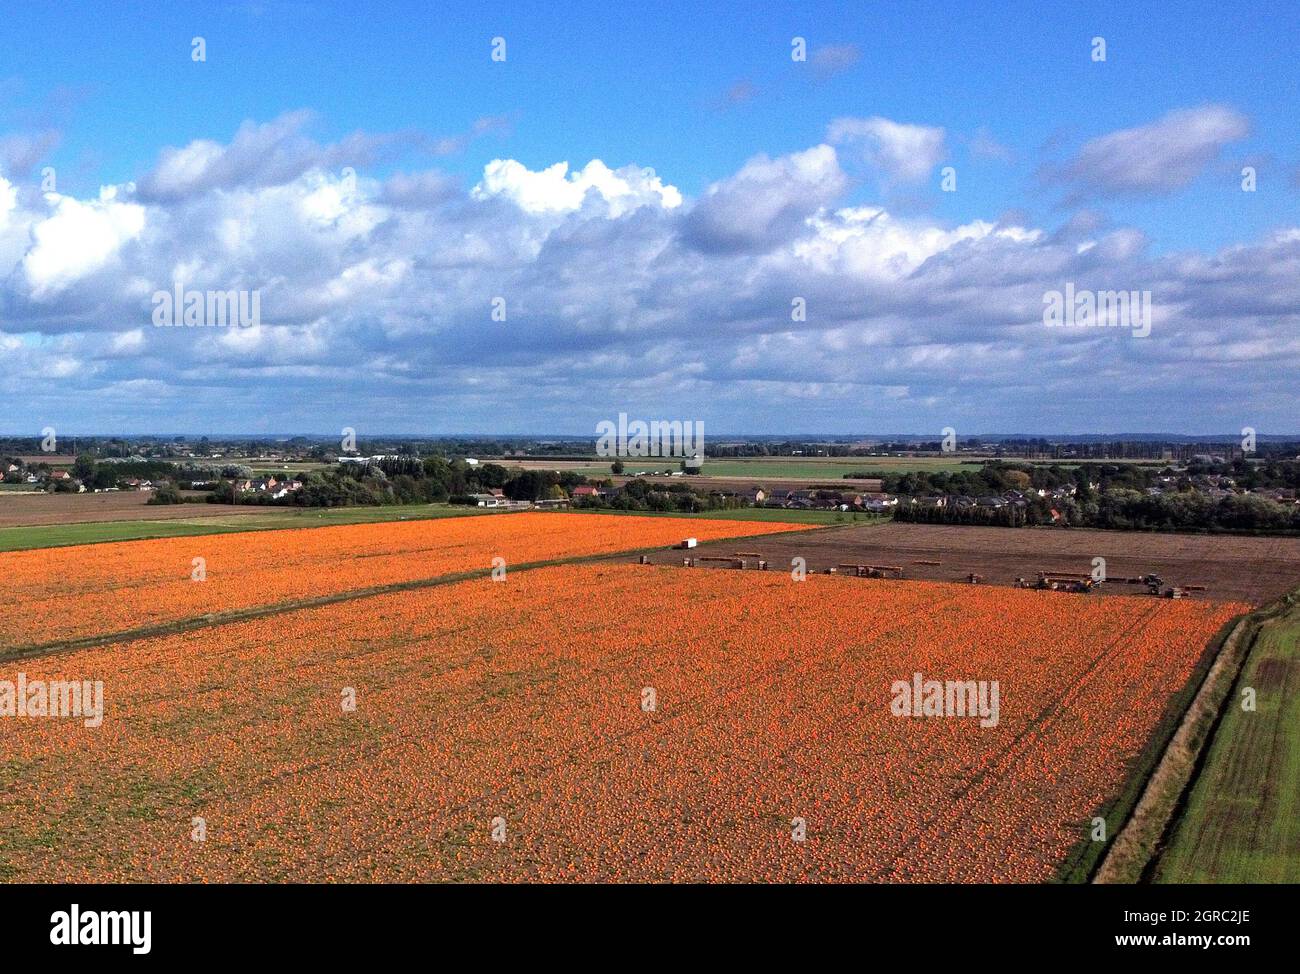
[(1241, 823), (799, 468), (52, 536)]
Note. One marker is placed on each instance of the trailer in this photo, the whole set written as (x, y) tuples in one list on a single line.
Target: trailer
[(730, 562), (873, 571), (1063, 582)]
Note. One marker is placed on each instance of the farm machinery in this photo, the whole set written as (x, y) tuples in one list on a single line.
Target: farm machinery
[(1059, 582), (1070, 582), (874, 571)]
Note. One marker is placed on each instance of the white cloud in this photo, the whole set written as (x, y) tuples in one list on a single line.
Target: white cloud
[(8, 200), (767, 202), (128, 342), (867, 242), (1161, 157), (77, 239), (904, 153), (556, 190), (375, 301)]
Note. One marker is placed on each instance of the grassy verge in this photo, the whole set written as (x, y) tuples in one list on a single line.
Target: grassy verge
[(1240, 820), (1087, 856), (94, 532)]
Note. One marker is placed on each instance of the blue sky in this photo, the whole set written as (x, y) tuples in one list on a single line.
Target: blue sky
[(1125, 172)]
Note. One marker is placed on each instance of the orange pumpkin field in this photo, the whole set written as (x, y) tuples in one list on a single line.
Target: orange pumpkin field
[(65, 593), (519, 705)]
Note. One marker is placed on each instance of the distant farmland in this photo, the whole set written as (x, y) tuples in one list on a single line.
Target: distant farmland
[(797, 468)]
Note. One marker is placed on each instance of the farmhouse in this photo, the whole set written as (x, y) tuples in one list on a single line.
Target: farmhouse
[(541, 503), (879, 503), (801, 499)]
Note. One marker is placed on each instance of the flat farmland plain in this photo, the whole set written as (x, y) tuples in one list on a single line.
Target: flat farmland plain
[(501, 732), (1233, 568), (88, 591)]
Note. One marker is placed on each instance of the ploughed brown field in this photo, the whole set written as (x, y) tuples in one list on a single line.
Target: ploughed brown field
[(31, 510), (1232, 568)]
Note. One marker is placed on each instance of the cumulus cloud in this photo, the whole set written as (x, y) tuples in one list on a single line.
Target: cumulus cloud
[(903, 153), (259, 155), (1158, 158), (767, 202), (77, 239), (556, 190), (869, 243), (376, 298)]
